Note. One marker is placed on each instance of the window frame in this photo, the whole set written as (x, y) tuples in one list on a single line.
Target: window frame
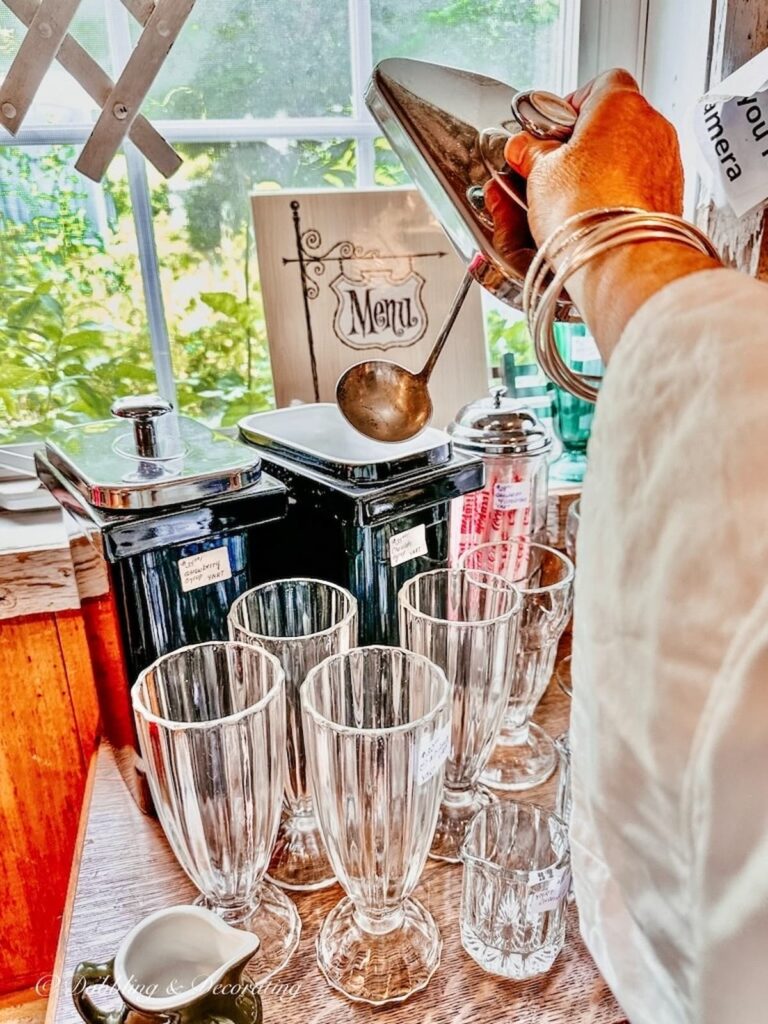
[(592, 34)]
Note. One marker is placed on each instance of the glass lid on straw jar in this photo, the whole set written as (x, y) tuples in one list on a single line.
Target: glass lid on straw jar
[(497, 425)]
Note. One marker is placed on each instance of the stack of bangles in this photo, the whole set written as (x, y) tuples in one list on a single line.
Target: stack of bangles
[(578, 240)]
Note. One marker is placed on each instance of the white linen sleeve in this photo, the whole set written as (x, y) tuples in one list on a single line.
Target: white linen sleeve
[(670, 715)]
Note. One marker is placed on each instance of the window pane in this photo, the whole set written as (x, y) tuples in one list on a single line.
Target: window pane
[(514, 40), (210, 279), (72, 325), (257, 58), (60, 100)]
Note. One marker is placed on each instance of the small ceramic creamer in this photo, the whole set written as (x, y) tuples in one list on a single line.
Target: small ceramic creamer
[(178, 966)]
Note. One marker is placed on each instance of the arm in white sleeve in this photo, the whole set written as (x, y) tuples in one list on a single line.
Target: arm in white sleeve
[(670, 718)]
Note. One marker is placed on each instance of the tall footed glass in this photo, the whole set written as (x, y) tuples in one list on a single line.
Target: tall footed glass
[(525, 755), (211, 725), (465, 622), (301, 622), (377, 724)]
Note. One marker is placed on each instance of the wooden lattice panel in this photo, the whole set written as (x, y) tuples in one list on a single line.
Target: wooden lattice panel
[(47, 40)]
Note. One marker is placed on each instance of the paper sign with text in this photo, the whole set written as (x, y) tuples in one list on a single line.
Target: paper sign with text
[(731, 126)]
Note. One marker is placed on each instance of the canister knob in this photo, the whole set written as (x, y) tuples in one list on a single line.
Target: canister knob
[(144, 410), (497, 393)]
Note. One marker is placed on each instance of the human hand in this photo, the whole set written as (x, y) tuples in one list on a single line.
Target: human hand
[(623, 152)]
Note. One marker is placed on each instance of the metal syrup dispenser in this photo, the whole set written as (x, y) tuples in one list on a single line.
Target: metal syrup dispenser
[(167, 522), (449, 128), (363, 514), (514, 446)]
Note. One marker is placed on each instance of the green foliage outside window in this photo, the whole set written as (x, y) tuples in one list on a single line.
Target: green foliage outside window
[(73, 331)]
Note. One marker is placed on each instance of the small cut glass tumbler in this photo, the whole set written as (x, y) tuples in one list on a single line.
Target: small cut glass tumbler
[(516, 881), (211, 725), (377, 724), (465, 622), (525, 755), (301, 622)]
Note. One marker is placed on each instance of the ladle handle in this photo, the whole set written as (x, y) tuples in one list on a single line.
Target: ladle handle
[(445, 329), (87, 974)]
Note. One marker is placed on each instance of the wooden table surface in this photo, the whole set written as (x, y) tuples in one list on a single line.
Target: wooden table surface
[(126, 870)]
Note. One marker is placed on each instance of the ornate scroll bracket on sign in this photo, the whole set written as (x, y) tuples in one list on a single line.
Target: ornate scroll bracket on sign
[(378, 307), (47, 40)]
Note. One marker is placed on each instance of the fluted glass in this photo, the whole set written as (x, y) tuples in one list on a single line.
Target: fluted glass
[(525, 755), (301, 622), (211, 726), (564, 677), (465, 622), (572, 523), (516, 882), (563, 797), (377, 724)]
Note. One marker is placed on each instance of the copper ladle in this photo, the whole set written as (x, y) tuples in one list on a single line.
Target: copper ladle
[(385, 401)]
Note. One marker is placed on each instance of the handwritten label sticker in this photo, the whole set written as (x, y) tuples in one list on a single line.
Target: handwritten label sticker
[(433, 752), (207, 567), (511, 495), (408, 544), (550, 894)]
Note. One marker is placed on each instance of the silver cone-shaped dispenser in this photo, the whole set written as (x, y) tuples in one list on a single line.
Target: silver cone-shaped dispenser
[(448, 128)]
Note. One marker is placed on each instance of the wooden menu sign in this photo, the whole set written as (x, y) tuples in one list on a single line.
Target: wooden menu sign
[(349, 276)]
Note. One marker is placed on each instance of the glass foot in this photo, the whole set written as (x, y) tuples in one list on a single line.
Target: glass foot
[(274, 919), (521, 765), (570, 466), (299, 859), (379, 968), (509, 963), (456, 813)]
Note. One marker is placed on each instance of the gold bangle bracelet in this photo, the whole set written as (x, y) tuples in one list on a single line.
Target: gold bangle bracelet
[(582, 238)]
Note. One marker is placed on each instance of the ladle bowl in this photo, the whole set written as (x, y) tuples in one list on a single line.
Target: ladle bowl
[(384, 401)]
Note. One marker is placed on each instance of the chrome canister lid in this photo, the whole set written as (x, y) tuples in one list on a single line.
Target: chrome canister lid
[(496, 425), (148, 458)]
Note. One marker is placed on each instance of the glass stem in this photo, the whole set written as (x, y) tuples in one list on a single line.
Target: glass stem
[(514, 734), (235, 914), (379, 922)]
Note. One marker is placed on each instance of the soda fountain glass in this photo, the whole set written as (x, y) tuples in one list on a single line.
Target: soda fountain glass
[(564, 676), (516, 881), (301, 622), (377, 726), (211, 726), (572, 522), (465, 622), (525, 755)]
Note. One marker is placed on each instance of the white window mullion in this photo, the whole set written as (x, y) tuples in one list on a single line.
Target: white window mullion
[(244, 129), (569, 40), (118, 29), (361, 56), (613, 35)]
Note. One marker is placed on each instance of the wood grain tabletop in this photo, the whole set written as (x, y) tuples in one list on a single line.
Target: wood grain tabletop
[(126, 870)]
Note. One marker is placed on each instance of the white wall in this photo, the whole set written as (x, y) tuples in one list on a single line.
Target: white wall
[(665, 44), (675, 69)]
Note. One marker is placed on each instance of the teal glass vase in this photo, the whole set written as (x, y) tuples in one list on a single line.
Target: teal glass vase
[(571, 416)]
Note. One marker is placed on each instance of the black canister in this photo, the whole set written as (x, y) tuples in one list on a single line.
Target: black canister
[(365, 515), (163, 520)]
